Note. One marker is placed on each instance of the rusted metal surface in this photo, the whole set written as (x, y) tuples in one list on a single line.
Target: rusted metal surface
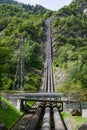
[(32, 125), (22, 123)]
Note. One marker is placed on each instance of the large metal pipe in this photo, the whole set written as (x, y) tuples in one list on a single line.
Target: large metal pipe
[(36, 95), (57, 119), (46, 125), (34, 121), (49, 83)]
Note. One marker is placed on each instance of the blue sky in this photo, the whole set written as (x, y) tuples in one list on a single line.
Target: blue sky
[(49, 4)]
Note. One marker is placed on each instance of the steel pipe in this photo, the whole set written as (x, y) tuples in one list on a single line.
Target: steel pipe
[(46, 125), (57, 119), (36, 95), (34, 121)]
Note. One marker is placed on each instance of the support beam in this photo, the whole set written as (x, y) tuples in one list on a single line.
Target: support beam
[(36, 95)]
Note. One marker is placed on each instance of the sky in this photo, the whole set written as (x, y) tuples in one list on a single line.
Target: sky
[(49, 4)]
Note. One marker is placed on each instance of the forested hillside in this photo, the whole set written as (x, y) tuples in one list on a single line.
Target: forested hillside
[(69, 29), (8, 2), (69, 32), (19, 23)]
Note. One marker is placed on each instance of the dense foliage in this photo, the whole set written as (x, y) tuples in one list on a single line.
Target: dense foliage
[(8, 2), (18, 22), (8, 115), (70, 31)]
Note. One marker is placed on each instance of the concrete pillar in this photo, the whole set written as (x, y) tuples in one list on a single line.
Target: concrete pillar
[(21, 105), (18, 104)]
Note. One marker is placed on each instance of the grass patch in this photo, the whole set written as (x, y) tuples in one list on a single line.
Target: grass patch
[(74, 120), (30, 104), (9, 116)]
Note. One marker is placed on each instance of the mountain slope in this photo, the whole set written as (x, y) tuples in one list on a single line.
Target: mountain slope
[(38, 9), (75, 8), (8, 2), (70, 40), (17, 23)]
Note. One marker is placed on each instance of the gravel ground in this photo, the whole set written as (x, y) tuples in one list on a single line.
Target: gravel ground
[(59, 77), (68, 124)]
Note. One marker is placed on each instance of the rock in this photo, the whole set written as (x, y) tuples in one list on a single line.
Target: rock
[(4, 106), (82, 127), (2, 127), (85, 11), (77, 111)]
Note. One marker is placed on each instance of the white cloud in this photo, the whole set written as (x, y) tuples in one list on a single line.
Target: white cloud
[(50, 4), (32, 2), (23, 1)]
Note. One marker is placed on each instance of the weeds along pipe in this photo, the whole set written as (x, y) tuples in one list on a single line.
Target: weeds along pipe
[(35, 119), (59, 125), (46, 119)]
